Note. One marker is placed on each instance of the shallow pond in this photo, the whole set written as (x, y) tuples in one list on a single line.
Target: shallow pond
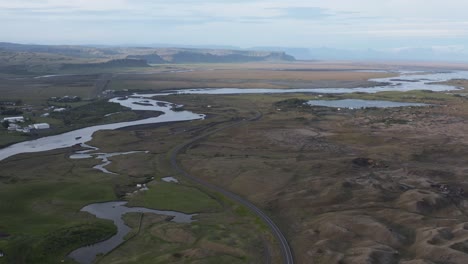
[(169, 179), (114, 211), (357, 104), (407, 81)]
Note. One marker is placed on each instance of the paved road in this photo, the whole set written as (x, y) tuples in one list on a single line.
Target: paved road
[(285, 248)]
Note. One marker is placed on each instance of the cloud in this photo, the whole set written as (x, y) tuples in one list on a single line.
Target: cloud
[(237, 22), (307, 13)]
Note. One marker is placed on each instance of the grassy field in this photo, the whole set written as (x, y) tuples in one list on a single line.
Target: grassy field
[(52, 188), (36, 91), (77, 115), (176, 197), (243, 78), (214, 238), (40, 204)]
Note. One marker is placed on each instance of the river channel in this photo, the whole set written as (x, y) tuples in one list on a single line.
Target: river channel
[(407, 81), (114, 211)]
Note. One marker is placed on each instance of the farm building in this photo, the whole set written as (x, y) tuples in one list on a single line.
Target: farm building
[(41, 126), (13, 127), (14, 119)]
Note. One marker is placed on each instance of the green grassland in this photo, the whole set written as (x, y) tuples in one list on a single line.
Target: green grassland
[(204, 241), (77, 116), (37, 91), (49, 190), (175, 197), (40, 203)]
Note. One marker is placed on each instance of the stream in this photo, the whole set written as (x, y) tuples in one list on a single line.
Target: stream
[(114, 211), (104, 157)]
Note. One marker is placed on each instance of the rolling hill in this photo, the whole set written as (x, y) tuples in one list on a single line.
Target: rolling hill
[(24, 59)]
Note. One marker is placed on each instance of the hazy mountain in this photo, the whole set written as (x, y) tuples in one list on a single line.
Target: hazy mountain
[(153, 55), (400, 54), (436, 53), (298, 53), (66, 50), (127, 63), (178, 55)]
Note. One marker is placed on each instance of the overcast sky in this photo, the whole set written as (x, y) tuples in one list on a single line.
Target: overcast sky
[(380, 24)]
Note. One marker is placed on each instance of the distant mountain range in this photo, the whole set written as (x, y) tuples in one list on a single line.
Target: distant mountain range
[(186, 55), (436, 53), (31, 58), (12, 54)]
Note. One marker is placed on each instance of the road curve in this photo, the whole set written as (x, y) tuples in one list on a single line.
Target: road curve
[(284, 245)]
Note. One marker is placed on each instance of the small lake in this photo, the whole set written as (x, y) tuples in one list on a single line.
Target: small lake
[(114, 211), (359, 104), (407, 81), (170, 179)]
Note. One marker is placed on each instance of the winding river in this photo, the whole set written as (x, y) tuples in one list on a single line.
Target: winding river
[(114, 211), (407, 81), (84, 135), (104, 157)]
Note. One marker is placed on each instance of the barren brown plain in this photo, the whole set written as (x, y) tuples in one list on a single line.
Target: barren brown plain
[(303, 167), (248, 78)]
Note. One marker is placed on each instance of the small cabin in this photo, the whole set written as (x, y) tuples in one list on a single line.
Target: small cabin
[(41, 126)]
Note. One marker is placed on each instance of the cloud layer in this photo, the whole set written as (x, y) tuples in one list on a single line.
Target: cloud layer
[(311, 23)]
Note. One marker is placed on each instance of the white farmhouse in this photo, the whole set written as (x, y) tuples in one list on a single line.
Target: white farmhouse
[(41, 126), (12, 127), (14, 119)]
